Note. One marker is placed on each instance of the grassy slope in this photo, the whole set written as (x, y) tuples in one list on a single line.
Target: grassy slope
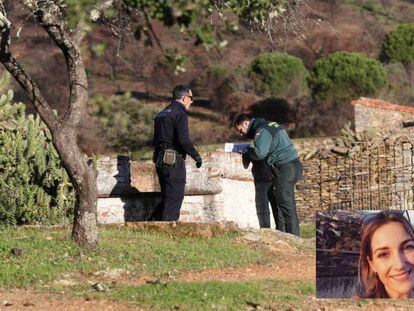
[(50, 255)]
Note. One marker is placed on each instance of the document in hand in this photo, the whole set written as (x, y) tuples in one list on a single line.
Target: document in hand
[(236, 147)]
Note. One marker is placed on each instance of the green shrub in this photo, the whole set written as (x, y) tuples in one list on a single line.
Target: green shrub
[(279, 75), (216, 71), (335, 81), (342, 76), (99, 49), (398, 45), (34, 188), (126, 121), (372, 6)]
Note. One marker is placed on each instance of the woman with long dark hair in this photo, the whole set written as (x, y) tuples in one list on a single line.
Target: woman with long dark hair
[(386, 262)]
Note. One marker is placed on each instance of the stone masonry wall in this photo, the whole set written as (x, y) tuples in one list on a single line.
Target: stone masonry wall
[(380, 115), (221, 190), (378, 175)]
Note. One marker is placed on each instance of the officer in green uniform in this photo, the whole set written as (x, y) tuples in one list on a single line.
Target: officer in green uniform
[(271, 143)]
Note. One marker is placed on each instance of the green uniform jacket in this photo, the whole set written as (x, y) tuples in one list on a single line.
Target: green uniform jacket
[(270, 142)]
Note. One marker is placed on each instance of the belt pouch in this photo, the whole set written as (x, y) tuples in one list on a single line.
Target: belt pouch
[(169, 157)]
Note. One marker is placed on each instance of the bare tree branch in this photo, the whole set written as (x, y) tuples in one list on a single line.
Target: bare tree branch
[(50, 16), (17, 71), (149, 25), (79, 32)]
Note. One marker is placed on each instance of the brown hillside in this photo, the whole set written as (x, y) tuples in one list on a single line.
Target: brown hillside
[(116, 65)]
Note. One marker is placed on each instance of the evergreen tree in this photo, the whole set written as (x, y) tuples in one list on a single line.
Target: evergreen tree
[(335, 81), (343, 76), (398, 45), (279, 75)]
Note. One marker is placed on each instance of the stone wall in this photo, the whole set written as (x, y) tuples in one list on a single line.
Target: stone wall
[(221, 190), (382, 116), (375, 175)]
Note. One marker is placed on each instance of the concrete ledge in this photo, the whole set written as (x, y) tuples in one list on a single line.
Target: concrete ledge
[(114, 177), (119, 177)]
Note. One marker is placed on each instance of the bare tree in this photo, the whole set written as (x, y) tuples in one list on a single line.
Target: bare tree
[(63, 128)]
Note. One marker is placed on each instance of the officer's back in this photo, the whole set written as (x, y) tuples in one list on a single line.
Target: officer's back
[(169, 127)]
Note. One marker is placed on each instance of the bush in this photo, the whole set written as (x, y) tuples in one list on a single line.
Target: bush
[(279, 75), (345, 76), (398, 45), (335, 81), (34, 187), (216, 72), (126, 121), (372, 6)]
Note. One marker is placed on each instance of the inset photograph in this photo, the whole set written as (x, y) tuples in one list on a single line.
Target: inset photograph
[(365, 254)]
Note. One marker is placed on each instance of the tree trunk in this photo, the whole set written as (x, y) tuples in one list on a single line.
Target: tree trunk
[(83, 178), (50, 14)]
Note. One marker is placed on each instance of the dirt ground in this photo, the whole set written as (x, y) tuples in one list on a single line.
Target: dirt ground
[(291, 259), (28, 300)]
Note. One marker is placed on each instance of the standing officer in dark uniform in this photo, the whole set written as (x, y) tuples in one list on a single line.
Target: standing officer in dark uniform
[(171, 145), (271, 143)]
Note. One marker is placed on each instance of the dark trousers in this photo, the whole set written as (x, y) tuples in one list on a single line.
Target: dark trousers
[(288, 175), (263, 195), (172, 182)]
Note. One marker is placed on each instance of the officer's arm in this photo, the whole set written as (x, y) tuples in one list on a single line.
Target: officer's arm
[(261, 145), (181, 127)]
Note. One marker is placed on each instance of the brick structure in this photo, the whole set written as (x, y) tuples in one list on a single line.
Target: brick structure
[(380, 115), (221, 190)]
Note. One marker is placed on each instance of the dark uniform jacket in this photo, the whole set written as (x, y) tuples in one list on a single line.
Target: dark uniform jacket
[(171, 132), (260, 169)]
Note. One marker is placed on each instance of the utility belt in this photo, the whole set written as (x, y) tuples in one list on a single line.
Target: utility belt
[(166, 155), (276, 167)]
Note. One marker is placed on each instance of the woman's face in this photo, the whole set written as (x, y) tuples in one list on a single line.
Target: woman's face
[(393, 259)]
